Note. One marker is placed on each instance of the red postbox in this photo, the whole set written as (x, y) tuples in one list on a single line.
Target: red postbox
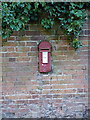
[(44, 57)]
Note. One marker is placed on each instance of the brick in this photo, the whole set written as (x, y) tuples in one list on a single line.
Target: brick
[(84, 57), (63, 48), (10, 49), (85, 47), (33, 101), (67, 77), (78, 77), (80, 90), (55, 82), (30, 33), (33, 87), (84, 38), (70, 91), (12, 59), (35, 27), (85, 43), (57, 96), (35, 96), (47, 96), (22, 49), (24, 38), (58, 86), (37, 38), (32, 54), (34, 49), (11, 38), (31, 44), (10, 44), (23, 59), (47, 87), (57, 91), (4, 60), (21, 101), (15, 33), (11, 54), (75, 85), (45, 91), (45, 82), (22, 54), (58, 58), (87, 32), (9, 79), (4, 49), (20, 43), (11, 74)]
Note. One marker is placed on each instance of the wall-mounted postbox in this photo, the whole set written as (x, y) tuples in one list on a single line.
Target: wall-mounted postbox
[(44, 57)]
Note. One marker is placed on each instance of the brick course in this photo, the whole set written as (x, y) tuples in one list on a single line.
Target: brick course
[(61, 93)]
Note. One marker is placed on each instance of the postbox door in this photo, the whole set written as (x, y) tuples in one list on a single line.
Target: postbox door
[(44, 61), (44, 57)]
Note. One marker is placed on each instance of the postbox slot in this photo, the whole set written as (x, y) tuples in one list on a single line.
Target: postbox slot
[(42, 50)]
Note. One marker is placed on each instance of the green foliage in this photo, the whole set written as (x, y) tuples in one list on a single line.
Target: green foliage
[(76, 44), (47, 23), (69, 16)]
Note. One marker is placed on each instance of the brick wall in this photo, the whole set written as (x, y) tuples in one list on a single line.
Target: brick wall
[(61, 93)]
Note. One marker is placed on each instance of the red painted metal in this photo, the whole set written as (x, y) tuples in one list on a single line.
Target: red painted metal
[(44, 47)]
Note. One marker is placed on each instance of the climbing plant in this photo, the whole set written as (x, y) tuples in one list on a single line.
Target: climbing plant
[(70, 17)]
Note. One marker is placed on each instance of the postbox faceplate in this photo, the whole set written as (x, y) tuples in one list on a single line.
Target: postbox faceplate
[(44, 57)]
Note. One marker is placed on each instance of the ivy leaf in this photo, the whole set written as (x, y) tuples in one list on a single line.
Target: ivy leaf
[(25, 11), (36, 4), (28, 6)]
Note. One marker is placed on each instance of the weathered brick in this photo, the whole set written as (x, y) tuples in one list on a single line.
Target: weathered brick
[(24, 38), (31, 33), (27, 93), (4, 49), (22, 54), (11, 54), (70, 91), (45, 91), (34, 49), (22, 49), (10, 49), (37, 38), (58, 86), (20, 43), (12, 59), (32, 54), (11, 38), (10, 44), (84, 38), (35, 96), (57, 91), (33, 101), (47, 87), (23, 59), (80, 90), (21, 101), (31, 44), (15, 33)]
